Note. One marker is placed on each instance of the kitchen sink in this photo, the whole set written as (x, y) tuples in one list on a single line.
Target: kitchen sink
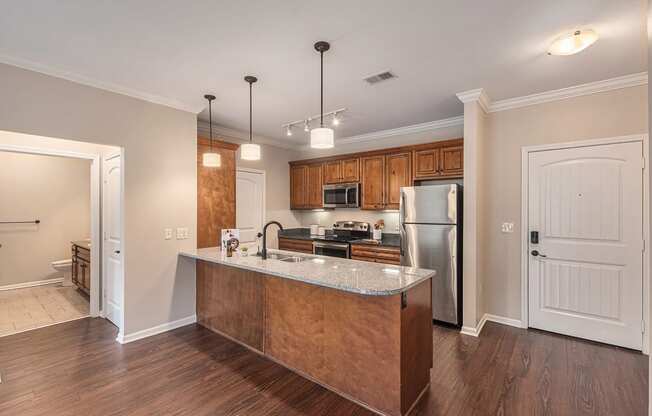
[(292, 259)]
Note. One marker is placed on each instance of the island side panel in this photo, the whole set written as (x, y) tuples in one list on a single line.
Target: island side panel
[(416, 343), (231, 301), (347, 342)]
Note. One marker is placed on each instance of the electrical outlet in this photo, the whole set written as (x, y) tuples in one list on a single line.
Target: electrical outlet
[(507, 227), (168, 233), (179, 233)]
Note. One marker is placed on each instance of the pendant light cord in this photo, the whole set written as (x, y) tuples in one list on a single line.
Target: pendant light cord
[(321, 119), (250, 114), (210, 125)]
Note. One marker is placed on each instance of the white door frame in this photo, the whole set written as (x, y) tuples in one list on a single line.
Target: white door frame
[(525, 151), (261, 172)]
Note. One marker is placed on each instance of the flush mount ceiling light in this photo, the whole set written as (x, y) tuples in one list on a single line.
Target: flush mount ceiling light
[(572, 43), (322, 137), (250, 151), (211, 159)]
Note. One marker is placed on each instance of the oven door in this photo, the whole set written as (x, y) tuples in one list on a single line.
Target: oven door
[(331, 249)]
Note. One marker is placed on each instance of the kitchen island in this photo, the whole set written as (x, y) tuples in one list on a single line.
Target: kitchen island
[(362, 330)]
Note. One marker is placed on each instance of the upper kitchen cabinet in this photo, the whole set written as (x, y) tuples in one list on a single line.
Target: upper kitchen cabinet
[(398, 174), (342, 171), (439, 160), (306, 186), (373, 182)]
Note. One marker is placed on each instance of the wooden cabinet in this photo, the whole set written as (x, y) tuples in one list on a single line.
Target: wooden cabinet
[(306, 186), (376, 254), (438, 160), (398, 174), (342, 171), (81, 267), (381, 173), (290, 244), (373, 182)]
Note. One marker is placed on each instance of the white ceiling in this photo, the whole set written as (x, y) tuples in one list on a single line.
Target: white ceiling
[(174, 52)]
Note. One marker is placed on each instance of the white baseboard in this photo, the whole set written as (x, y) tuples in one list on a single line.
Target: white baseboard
[(155, 330), (475, 331), (503, 320), (32, 284)]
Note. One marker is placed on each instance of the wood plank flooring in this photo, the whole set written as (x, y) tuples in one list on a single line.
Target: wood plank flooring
[(77, 368)]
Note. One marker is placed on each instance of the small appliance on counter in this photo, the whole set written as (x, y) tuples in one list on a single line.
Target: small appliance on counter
[(314, 229), (321, 231)]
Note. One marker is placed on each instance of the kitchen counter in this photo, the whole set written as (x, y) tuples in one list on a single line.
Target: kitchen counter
[(342, 274), (317, 318), (388, 240)]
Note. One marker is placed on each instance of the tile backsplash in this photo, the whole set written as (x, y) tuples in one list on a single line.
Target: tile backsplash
[(328, 217)]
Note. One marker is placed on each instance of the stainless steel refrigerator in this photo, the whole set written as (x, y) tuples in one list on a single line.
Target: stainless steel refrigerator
[(431, 237)]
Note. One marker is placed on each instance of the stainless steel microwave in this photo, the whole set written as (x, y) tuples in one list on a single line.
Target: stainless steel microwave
[(344, 195)]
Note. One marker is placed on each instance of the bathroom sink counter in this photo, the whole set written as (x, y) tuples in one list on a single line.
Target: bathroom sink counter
[(354, 276), (360, 329)]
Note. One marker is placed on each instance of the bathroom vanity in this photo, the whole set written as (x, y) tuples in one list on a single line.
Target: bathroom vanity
[(81, 265)]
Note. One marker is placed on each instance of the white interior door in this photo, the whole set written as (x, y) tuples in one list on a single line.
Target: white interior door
[(587, 205), (249, 203), (112, 231)]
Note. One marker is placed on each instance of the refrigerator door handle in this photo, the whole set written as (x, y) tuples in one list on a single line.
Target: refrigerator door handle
[(401, 222)]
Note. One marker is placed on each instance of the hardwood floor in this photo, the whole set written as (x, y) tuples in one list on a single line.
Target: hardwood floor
[(77, 368)]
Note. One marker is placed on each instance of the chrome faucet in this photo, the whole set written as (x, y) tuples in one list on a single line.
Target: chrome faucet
[(263, 253)]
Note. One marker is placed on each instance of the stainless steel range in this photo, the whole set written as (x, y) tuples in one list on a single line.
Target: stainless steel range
[(336, 244)]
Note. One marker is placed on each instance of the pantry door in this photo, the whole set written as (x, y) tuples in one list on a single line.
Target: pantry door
[(586, 270)]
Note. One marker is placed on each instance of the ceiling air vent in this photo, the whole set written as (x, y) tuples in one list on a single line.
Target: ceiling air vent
[(383, 76)]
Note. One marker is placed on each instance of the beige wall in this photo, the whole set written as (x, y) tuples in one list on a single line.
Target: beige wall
[(159, 146), (608, 114), (55, 190)]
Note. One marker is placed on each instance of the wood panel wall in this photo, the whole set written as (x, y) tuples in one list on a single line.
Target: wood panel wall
[(215, 193)]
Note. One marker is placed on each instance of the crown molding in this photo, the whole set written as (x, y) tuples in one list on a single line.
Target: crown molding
[(239, 137), (90, 82), (475, 95), (400, 131), (625, 81)]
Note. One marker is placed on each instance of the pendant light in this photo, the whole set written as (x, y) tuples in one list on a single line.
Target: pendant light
[(322, 137), (211, 159), (250, 151)]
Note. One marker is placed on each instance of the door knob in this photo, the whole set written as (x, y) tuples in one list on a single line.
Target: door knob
[(535, 253), (117, 252)]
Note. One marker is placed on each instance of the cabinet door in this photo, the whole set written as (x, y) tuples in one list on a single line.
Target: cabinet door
[(452, 161), (373, 182), (333, 172), (298, 183), (351, 170), (314, 186), (399, 174), (426, 163)]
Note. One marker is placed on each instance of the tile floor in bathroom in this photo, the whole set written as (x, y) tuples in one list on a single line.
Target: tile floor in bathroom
[(35, 307)]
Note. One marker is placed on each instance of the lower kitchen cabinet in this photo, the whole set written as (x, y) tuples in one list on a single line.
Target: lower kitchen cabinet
[(290, 244), (376, 254)]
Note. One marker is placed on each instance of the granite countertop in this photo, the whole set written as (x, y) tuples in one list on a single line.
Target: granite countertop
[(389, 240), (354, 276), (82, 243)]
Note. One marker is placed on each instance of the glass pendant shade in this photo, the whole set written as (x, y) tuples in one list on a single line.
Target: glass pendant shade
[(211, 160), (321, 138), (250, 151)]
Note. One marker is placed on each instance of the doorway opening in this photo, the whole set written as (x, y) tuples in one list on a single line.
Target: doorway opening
[(53, 225)]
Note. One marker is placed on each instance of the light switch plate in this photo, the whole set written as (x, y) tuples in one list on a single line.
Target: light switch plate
[(179, 233), (507, 227), (168, 233)]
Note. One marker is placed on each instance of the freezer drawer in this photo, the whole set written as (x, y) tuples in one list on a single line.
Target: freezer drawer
[(435, 247)]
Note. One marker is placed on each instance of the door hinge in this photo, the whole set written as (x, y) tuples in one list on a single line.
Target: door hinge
[(643, 167), (643, 327)]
